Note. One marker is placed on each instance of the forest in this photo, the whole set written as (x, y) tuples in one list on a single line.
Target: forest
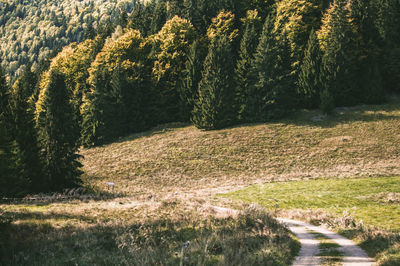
[(215, 64), (33, 31)]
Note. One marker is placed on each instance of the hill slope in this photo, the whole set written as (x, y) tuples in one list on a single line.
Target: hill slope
[(360, 141)]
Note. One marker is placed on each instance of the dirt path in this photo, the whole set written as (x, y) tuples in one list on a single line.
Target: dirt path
[(308, 255), (353, 254)]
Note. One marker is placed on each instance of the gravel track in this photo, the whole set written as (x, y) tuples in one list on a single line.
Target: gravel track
[(353, 254)]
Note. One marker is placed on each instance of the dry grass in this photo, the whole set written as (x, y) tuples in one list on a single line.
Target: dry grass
[(121, 232), (362, 141), (172, 174)]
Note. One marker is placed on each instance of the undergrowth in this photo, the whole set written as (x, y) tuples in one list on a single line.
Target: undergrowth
[(181, 238)]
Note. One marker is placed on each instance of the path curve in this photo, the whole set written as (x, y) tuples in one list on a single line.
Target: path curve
[(353, 254)]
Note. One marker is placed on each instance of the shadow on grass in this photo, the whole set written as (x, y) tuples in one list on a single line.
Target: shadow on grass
[(363, 113), (377, 243), (80, 194), (251, 238), (158, 130), (315, 118)]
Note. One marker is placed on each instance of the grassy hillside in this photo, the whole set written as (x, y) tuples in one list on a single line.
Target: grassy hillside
[(360, 141), (165, 180)]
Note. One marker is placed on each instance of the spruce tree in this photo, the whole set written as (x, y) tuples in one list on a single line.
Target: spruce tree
[(174, 38), (9, 184), (26, 148), (284, 97), (214, 107), (118, 99), (188, 85), (272, 93), (58, 134), (369, 51), (309, 76), (389, 28), (159, 17), (297, 18), (193, 13), (261, 71), (248, 47), (338, 41), (326, 101)]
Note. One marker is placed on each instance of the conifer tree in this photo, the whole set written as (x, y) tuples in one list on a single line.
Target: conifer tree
[(140, 18), (58, 134), (297, 18), (192, 11), (262, 72), (389, 28), (284, 98), (26, 148), (187, 88), (8, 181), (368, 48), (338, 42), (117, 101), (273, 92), (309, 76), (90, 32), (214, 107), (159, 17), (174, 38), (248, 47)]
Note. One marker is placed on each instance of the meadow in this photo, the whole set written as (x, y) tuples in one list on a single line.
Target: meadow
[(365, 209), (307, 165)]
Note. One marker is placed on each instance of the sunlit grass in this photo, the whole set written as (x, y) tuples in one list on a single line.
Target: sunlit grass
[(363, 209), (334, 196), (171, 172), (361, 141)]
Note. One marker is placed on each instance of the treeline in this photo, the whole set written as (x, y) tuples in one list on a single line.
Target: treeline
[(215, 64), (31, 31)]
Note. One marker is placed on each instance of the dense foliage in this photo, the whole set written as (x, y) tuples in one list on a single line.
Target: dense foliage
[(31, 30), (58, 133), (136, 64)]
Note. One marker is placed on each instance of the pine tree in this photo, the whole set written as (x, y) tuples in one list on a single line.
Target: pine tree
[(175, 38), (117, 102), (192, 13), (26, 149), (389, 28), (297, 18), (309, 76), (58, 134), (90, 32), (369, 51), (187, 88), (248, 47), (159, 17), (262, 72), (8, 182), (338, 42), (214, 107), (284, 97)]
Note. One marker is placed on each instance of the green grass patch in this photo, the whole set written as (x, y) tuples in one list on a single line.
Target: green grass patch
[(344, 203), (329, 250), (334, 196)]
